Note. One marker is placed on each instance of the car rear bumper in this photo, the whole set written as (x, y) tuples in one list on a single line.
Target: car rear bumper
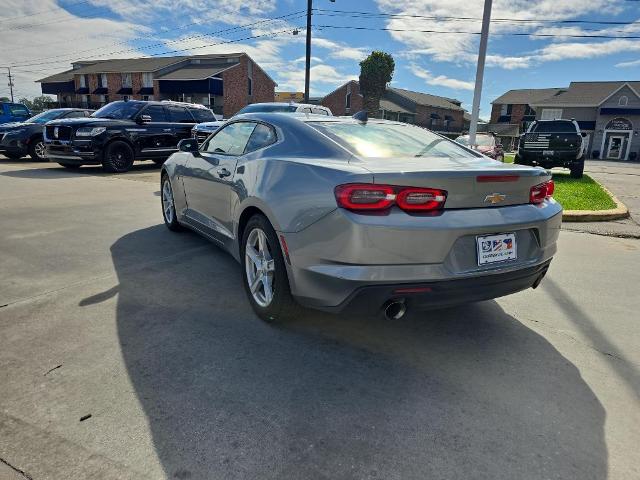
[(345, 253), (558, 157)]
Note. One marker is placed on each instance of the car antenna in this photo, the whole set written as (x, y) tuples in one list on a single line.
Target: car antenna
[(361, 116)]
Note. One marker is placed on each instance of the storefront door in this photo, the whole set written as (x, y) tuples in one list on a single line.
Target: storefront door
[(614, 150)]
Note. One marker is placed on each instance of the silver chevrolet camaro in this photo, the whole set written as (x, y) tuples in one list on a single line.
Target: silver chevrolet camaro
[(345, 214)]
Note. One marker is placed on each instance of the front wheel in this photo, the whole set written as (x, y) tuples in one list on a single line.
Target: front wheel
[(265, 274), (118, 157), (168, 205), (37, 150)]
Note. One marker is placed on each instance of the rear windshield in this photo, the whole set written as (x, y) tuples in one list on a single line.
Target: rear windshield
[(554, 127), (482, 140), (268, 108), (387, 140), (203, 115)]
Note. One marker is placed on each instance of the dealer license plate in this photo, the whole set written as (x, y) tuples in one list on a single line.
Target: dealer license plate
[(548, 153), (496, 248)]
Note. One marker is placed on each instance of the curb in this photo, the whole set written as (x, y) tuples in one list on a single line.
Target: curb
[(621, 211)]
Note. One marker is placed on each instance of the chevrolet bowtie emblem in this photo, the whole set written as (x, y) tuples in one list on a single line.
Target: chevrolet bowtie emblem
[(494, 198)]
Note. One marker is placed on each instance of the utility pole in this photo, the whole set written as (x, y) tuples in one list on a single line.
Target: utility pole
[(307, 67), (10, 82), (482, 54)]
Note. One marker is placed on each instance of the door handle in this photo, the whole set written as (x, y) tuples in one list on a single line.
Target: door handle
[(223, 172)]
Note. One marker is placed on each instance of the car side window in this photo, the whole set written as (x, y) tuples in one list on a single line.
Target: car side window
[(75, 114), (262, 136), (180, 115), (306, 110), (319, 111), (231, 140), (156, 112)]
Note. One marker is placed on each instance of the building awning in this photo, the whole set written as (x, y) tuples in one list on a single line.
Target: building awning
[(448, 117), (206, 86), (125, 91), (620, 111), (83, 90), (435, 116), (54, 88), (101, 91), (586, 125), (146, 91)]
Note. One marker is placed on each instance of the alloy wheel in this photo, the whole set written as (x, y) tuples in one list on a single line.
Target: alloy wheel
[(260, 267), (41, 150), (167, 201), (119, 158)]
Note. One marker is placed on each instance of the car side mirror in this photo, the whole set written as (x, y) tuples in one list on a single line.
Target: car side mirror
[(189, 145), (143, 119)]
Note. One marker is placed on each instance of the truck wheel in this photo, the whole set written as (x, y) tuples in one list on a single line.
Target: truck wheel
[(577, 169), (118, 157), (37, 150)]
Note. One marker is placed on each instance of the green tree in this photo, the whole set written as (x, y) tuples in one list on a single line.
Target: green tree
[(376, 71), (5, 99), (38, 104)]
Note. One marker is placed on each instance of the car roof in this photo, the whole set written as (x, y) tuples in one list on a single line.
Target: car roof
[(299, 117), (163, 102)]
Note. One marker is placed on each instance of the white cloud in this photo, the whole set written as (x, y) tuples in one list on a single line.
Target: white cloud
[(440, 80), (634, 63), (325, 75), (340, 50)]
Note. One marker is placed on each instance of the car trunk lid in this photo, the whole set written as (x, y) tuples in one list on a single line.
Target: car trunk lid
[(469, 182)]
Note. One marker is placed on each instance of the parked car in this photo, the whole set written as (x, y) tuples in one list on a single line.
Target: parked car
[(486, 143), (202, 130), (25, 138), (552, 143), (284, 107), (341, 214), (13, 112), (122, 132)]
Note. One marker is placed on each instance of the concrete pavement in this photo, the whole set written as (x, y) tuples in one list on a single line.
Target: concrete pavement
[(105, 312)]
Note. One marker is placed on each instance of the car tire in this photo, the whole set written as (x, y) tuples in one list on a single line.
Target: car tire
[(70, 166), (37, 150), (168, 205), (577, 169), (118, 157), (279, 305)]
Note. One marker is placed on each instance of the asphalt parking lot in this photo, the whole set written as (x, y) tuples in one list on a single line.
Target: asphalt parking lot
[(104, 312)]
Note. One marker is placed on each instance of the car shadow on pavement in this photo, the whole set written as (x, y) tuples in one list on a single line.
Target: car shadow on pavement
[(53, 170), (468, 392)]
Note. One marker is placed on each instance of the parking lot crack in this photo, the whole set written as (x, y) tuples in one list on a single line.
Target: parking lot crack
[(16, 469)]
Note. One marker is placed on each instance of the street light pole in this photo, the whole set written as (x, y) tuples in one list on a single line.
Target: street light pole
[(482, 54), (308, 58), (10, 82)]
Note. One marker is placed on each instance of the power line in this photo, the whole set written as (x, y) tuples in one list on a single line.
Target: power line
[(290, 16), (516, 34), (356, 14)]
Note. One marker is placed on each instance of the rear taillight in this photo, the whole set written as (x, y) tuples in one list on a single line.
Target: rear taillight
[(540, 192), (367, 196)]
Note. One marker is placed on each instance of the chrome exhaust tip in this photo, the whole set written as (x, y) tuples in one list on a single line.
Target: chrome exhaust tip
[(395, 309)]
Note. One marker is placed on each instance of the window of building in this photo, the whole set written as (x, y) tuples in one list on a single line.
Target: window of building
[(104, 99), (84, 81), (250, 86), (347, 99), (529, 112), (506, 109), (147, 80), (623, 101), (126, 80), (551, 114), (85, 100), (102, 80)]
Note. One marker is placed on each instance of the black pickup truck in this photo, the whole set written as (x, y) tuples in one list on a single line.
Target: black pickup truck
[(122, 132), (552, 143)]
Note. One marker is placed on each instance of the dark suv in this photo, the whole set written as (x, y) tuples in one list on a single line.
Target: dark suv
[(122, 132), (25, 138)]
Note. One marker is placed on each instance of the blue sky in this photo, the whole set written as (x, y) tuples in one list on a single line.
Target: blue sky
[(40, 37)]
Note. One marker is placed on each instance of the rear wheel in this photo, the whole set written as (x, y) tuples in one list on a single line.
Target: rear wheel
[(118, 157), (577, 169), (265, 274), (70, 166), (37, 150)]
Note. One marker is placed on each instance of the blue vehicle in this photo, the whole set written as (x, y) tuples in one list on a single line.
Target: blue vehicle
[(13, 112)]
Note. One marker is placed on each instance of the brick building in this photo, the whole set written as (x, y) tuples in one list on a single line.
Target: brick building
[(225, 82), (440, 114)]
